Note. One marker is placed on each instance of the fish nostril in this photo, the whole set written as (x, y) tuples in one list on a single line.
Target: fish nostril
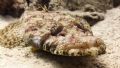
[(62, 33)]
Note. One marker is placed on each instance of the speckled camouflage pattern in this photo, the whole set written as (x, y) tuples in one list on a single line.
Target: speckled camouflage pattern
[(54, 32)]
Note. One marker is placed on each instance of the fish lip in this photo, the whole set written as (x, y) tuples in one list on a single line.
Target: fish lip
[(57, 49), (93, 52)]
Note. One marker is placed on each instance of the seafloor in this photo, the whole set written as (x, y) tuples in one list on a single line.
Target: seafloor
[(108, 30)]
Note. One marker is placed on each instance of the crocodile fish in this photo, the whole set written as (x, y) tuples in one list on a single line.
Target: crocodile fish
[(54, 32)]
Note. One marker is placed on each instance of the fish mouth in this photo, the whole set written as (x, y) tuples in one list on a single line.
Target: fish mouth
[(86, 46)]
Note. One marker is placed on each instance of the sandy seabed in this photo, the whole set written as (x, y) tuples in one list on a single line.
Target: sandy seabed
[(108, 30)]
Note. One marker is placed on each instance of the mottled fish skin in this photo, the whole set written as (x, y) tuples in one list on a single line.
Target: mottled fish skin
[(54, 32)]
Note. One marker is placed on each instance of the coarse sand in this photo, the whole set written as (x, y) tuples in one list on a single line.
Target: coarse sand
[(108, 30)]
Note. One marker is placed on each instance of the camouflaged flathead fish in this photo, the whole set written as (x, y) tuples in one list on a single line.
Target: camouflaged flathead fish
[(54, 32)]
